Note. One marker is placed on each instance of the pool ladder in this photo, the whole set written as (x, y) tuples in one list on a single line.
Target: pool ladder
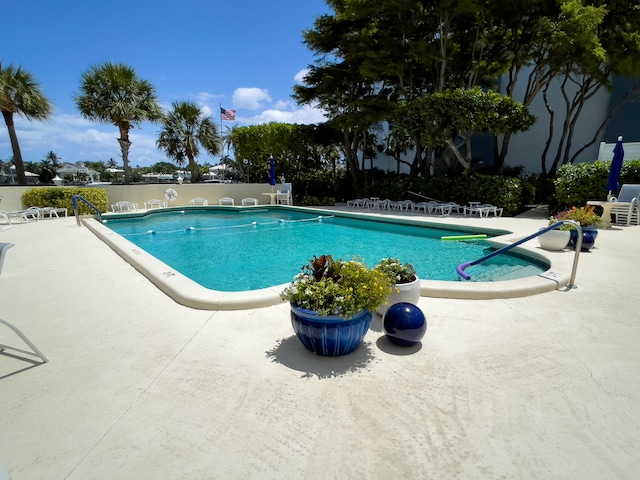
[(74, 202), (461, 268)]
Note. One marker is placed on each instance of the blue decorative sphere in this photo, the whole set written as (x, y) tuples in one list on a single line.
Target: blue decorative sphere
[(404, 324)]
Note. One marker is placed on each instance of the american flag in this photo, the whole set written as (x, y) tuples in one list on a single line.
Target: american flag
[(226, 114)]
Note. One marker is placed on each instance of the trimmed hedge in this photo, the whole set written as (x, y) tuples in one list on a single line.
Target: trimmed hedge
[(60, 197), (508, 193), (575, 185)]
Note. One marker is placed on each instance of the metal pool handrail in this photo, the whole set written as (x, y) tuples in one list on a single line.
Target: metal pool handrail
[(463, 266), (74, 202)]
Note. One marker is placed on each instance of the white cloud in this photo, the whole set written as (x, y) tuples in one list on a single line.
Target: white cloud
[(304, 115), (250, 98), (282, 105), (75, 139), (299, 77)]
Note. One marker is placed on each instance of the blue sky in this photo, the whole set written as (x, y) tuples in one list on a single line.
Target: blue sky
[(246, 55)]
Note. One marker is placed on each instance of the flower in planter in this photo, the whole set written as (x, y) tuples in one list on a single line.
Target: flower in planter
[(337, 287), (403, 278), (396, 271), (585, 216)]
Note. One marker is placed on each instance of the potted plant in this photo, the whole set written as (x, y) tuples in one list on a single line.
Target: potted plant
[(331, 303), (406, 283), (588, 220)]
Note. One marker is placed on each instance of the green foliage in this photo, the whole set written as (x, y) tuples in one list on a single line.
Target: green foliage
[(396, 271), (316, 183), (60, 197), (441, 117), (338, 287), (577, 184), (294, 147), (505, 192), (20, 94), (114, 94), (186, 129), (312, 201)]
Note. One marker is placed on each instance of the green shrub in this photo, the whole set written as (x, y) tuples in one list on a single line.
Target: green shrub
[(575, 185), (60, 197), (312, 201)]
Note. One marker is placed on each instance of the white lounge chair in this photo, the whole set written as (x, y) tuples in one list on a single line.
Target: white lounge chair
[(283, 197), (34, 350), (628, 210), (51, 212), (124, 206), (226, 201), (249, 201), (198, 201), (483, 210)]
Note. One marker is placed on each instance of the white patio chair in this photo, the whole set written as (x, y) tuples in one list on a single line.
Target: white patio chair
[(283, 197), (198, 201), (249, 201), (226, 201), (155, 203)]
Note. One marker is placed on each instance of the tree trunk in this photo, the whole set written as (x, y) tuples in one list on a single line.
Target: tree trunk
[(192, 167), (124, 146), (15, 146)]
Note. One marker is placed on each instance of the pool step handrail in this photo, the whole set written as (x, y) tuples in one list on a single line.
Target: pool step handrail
[(74, 202), (461, 268)]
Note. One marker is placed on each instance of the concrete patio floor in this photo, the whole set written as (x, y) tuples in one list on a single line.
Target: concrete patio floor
[(140, 387)]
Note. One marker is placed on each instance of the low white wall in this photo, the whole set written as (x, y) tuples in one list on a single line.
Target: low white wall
[(12, 196)]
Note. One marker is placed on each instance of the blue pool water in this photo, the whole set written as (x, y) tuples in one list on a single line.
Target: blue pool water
[(239, 250)]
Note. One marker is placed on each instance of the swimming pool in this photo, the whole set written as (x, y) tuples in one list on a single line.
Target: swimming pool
[(236, 250)]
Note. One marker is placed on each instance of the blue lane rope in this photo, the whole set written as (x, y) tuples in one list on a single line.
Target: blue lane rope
[(226, 227)]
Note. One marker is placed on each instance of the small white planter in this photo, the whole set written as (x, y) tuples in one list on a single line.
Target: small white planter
[(554, 240), (403, 292)]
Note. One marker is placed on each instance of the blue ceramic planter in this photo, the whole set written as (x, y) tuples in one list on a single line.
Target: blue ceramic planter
[(589, 235), (331, 335)]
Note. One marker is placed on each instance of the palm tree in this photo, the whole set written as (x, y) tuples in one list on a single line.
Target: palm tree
[(184, 130), (49, 167), (227, 138), (20, 94), (113, 93)]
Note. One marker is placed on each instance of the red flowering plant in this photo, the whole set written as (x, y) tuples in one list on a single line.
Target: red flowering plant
[(585, 216)]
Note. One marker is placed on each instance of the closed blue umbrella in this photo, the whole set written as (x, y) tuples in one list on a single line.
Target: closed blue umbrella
[(616, 166), (272, 172)]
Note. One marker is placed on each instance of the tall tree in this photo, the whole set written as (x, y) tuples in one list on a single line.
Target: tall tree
[(113, 93), (49, 167), (615, 32), (20, 94), (184, 130), (374, 55)]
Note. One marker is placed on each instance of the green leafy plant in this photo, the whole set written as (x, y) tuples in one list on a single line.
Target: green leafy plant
[(585, 216), (60, 197), (338, 287), (396, 271)]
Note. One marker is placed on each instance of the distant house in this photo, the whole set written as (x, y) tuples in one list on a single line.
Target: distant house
[(77, 173), (8, 176)]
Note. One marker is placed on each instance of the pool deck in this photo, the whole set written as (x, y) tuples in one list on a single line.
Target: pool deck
[(141, 387)]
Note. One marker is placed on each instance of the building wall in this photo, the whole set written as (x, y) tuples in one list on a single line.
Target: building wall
[(526, 148)]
